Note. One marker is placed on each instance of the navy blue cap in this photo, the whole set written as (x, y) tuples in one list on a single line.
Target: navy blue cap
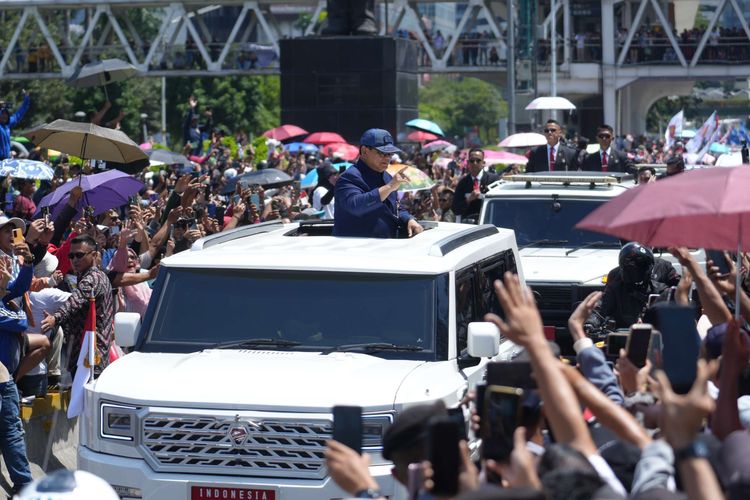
[(379, 139)]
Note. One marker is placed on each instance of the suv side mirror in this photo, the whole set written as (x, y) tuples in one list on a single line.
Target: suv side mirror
[(484, 339), (127, 326)]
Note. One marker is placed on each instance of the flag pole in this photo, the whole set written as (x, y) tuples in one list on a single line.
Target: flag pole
[(92, 343)]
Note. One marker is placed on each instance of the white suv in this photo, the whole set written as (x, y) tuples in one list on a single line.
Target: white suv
[(562, 264), (251, 338)]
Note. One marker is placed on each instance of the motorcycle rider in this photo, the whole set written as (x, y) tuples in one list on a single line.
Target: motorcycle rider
[(625, 297)]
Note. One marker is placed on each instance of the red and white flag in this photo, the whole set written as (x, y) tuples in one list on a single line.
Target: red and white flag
[(674, 130), (86, 361)]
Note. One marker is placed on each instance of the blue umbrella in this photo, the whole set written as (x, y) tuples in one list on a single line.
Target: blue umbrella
[(296, 147), (717, 147), (311, 178), (26, 169), (425, 125)]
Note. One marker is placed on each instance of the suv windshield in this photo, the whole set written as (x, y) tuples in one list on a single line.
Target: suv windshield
[(546, 219), (314, 311)]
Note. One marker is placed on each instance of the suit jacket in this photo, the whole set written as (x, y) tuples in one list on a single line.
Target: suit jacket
[(359, 210), (617, 162), (566, 159), (466, 186)]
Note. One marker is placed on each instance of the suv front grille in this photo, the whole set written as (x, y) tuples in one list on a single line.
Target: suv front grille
[(241, 446), (557, 301)]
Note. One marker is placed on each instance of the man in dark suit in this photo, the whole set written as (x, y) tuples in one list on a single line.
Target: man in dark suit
[(608, 159), (467, 201), (553, 156)]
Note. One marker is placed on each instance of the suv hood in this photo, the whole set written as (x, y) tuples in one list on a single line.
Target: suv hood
[(587, 265), (299, 381)]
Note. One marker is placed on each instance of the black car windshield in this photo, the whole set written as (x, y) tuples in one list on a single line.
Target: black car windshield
[(198, 309), (546, 219)]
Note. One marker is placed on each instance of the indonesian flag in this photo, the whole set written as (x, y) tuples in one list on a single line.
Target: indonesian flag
[(86, 361), (674, 130)]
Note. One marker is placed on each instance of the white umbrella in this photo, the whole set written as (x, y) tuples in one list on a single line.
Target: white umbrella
[(523, 140), (556, 102)]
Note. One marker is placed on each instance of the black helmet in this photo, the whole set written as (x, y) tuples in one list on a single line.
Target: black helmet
[(636, 263)]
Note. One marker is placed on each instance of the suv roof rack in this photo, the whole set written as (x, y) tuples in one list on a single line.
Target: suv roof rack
[(457, 240), (234, 234)]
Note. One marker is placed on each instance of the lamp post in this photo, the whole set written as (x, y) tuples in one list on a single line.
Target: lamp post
[(144, 118)]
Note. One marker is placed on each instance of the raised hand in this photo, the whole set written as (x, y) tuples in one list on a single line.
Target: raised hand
[(523, 323)]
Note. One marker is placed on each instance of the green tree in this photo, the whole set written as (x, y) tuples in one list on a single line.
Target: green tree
[(458, 105)]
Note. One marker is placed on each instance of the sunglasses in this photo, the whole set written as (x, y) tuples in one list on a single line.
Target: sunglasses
[(550, 130), (380, 153), (78, 255), (476, 160), (604, 136)]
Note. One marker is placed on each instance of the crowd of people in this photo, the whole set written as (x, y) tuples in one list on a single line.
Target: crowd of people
[(52, 267)]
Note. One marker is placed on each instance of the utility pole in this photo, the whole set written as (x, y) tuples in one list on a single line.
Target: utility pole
[(553, 49)]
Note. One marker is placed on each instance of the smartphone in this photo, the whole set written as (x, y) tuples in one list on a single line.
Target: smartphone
[(45, 211), (457, 415), (510, 374), (480, 392), (347, 426), (415, 481), (235, 199), (615, 342), (639, 343), (502, 415), (443, 454), (680, 345), (652, 299), (220, 214), (114, 230), (192, 223), (153, 197), (255, 200), (211, 209), (719, 259), (17, 236)]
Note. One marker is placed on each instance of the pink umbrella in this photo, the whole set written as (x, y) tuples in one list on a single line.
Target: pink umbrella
[(433, 146), (702, 208), (284, 132), (420, 136), (146, 146), (503, 158), (341, 150), (324, 138)]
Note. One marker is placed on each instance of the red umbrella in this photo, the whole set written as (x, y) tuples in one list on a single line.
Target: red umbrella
[(342, 150), (284, 132), (702, 208), (420, 136), (324, 138)]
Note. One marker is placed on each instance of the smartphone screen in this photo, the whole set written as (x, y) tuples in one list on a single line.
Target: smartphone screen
[(680, 345), (347, 426), (502, 414), (481, 391), (235, 199), (638, 344), (443, 453), (211, 209), (615, 342), (220, 214), (719, 259), (510, 374), (255, 200)]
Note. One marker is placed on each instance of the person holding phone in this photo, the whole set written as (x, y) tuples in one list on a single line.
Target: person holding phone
[(323, 195), (367, 203)]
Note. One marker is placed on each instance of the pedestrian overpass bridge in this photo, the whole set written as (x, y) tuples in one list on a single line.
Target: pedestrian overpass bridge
[(51, 38)]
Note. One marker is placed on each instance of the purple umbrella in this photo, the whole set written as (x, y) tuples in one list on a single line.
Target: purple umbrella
[(102, 191)]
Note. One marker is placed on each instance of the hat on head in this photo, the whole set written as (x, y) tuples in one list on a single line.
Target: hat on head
[(410, 427), (46, 267), (18, 223), (379, 139)]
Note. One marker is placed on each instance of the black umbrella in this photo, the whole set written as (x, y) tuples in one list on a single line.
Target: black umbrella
[(268, 177)]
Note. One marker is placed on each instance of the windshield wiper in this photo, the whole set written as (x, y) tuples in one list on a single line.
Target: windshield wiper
[(372, 347), (543, 242), (255, 343), (593, 244)]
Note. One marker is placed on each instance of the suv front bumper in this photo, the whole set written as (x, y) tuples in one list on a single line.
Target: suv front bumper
[(135, 473)]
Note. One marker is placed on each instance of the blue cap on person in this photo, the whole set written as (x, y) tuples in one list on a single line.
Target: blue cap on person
[(379, 139)]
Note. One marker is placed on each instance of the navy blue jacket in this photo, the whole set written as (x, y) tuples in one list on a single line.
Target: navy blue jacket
[(5, 128), (13, 323), (359, 211)]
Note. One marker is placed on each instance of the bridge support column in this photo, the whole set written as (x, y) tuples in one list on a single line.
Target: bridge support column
[(609, 76), (638, 97)]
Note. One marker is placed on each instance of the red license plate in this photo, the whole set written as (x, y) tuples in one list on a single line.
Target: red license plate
[(223, 493)]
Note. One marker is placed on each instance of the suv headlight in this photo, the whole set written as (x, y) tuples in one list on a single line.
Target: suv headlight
[(373, 429), (118, 422)]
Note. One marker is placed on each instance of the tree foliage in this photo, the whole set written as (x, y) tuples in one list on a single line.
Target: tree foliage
[(459, 105)]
